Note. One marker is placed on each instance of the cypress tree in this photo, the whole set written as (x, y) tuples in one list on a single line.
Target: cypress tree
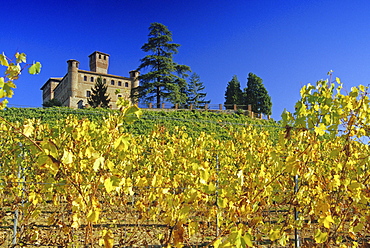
[(233, 94), (256, 94)]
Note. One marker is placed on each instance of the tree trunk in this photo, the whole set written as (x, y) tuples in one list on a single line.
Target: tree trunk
[(158, 97)]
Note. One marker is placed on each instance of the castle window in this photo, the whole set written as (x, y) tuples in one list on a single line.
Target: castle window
[(85, 78), (105, 57), (126, 84), (119, 83), (92, 79), (99, 56), (88, 93), (104, 80), (112, 82)]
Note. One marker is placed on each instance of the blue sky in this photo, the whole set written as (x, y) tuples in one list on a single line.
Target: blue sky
[(288, 43)]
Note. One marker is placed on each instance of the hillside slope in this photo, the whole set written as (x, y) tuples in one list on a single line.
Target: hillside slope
[(219, 124)]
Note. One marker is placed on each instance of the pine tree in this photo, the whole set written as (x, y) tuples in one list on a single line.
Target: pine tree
[(256, 95), (99, 96), (233, 94), (165, 79), (194, 92)]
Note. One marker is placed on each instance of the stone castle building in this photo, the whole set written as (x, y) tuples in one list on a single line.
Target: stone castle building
[(74, 88)]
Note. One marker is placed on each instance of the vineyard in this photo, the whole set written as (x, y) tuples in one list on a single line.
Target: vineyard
[(195, 121), (189, 179)]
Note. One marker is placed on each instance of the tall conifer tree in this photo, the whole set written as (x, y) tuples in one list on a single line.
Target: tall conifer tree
[(165, 79), (195, 95), (99, 96), (233, 94), (257, 95)]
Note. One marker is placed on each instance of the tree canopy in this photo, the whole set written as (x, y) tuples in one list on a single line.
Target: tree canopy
[(233, 94), (256, 95), (165, 79), (99, 96)]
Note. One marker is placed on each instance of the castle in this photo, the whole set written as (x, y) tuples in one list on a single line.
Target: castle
[(75, 87)]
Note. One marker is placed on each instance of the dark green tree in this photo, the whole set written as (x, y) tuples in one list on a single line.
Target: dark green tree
[(99, 96), (165, 79), (233, 94), (256, 94), (52, 103), (194, 92)]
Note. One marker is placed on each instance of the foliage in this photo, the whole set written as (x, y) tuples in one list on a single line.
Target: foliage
[(233, 94), (52, 103), (257, 96), (99, 96), (194, 122), (165, 80), (14, 67), (195, 96), (102, 185)]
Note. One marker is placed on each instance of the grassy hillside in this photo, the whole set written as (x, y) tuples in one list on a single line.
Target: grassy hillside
[(219, 124)]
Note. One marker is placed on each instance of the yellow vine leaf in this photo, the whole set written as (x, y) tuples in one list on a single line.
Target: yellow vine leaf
[(93, 215), (217, 243), (121, 143), (67, 157), (320, 237), (21, 57), (76, 221), (320, 130), (275, 234), (108, 184), (99, 163), (111, 183), (3, 60), (107, 239), (28, 129), (34, 198), (204, 176), (326, 221), (335, 181), (247, 239)]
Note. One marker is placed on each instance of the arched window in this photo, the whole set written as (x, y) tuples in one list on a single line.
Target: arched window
[(126, 84), (112, 82), (92, 79), (85, 78), (88, 93), (119, 83), (104, 80)]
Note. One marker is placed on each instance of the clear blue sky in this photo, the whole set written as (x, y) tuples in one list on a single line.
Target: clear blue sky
[(288, 43)]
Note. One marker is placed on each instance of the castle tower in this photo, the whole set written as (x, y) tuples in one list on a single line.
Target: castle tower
[(134, 76), (99, 62), (73, 76)]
